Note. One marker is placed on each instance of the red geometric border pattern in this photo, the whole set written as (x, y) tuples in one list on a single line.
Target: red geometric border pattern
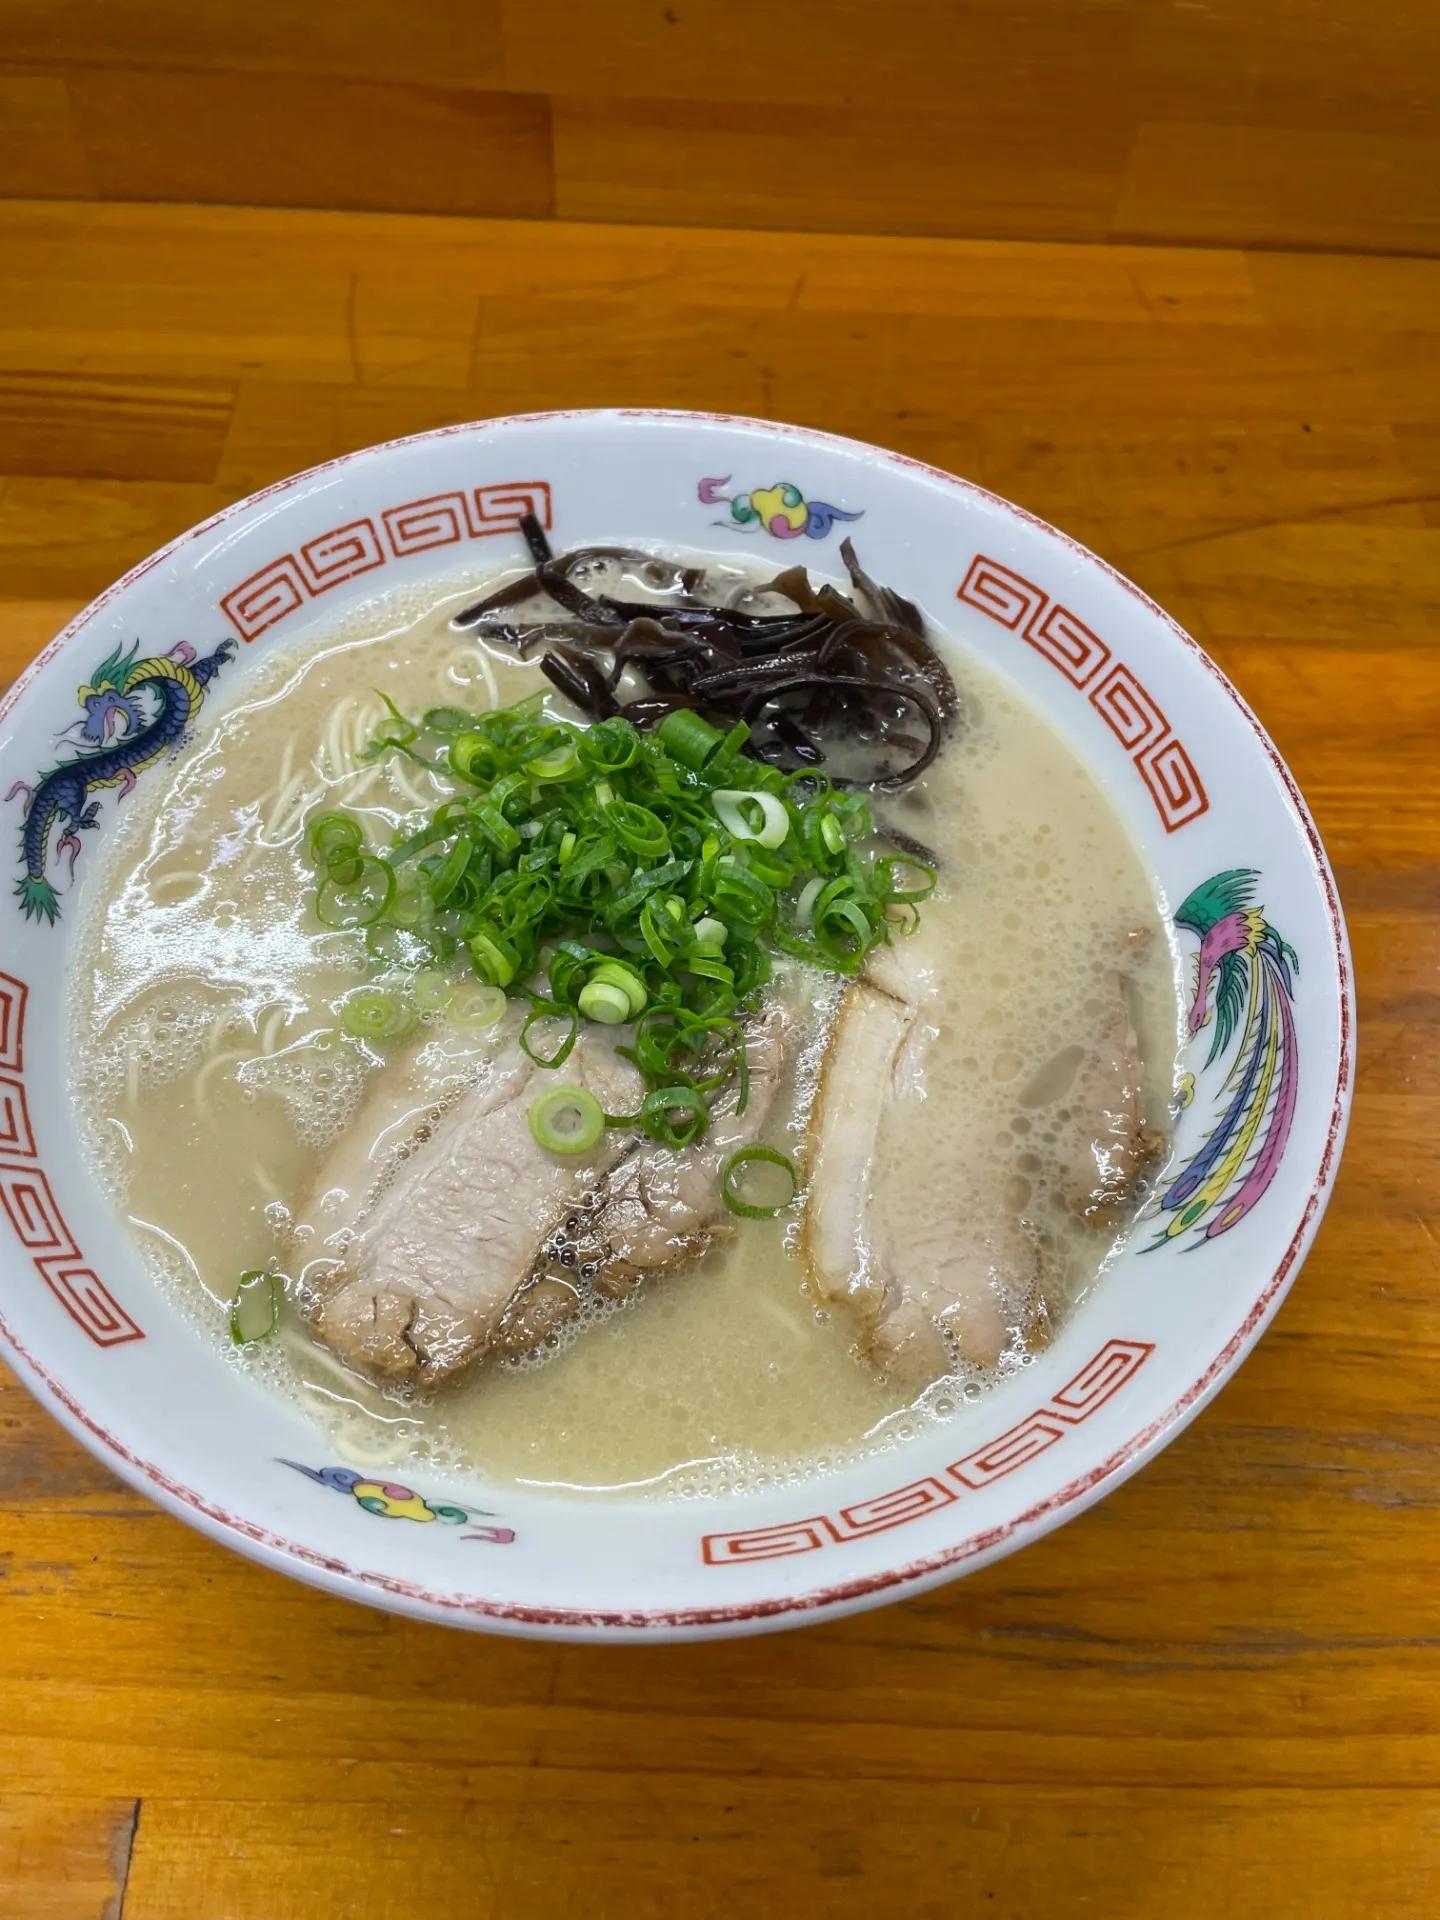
[(17, 1138), (443, 519), (766, 1543), (267, 596), (340, 555), (1120, 700), (891, 1509), (1067, 643), (1099, 1379), (999, 1457), (1169, 773), (13, 995), (31, 1207), (501, 509), (1005, 596), (1127, 709), (1102, 1376)]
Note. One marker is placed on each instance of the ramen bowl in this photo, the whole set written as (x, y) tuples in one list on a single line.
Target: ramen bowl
[(1209, 805)]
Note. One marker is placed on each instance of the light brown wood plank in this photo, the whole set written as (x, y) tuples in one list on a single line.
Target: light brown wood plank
[(1220, 1689), (429, 43), (63, 539), (98, 427), (807, 167), (65, 1858), (1257, 121), (510, 1851), (40, 147), (1028, 58), (285, 139), (1376, 192), (1296, 289)]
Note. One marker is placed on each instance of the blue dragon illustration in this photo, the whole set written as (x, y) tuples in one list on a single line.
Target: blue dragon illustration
[(148, 703)]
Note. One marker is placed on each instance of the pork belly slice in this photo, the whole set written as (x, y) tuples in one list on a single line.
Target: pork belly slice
[(1105, 1146), (857, 1083), (930, 1284), (663, 1207), (414, 1279), (971, 1290)]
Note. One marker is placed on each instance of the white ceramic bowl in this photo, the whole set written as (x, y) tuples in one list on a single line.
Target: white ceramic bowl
[(1201, 789)]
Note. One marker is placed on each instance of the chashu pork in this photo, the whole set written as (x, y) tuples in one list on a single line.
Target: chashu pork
[(951, 1280), (939, 1284), (413, 1272), (1106, 1148), (660, 1206)]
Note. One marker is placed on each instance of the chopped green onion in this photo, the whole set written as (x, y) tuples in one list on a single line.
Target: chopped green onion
[(550, 1010), (433, 990), (475, 1008), (805, 905), (399, 734), (474, 758), (600, 1001), (689, 739), (610, 746), (649, 877), (329, 834), (566, 1120), (558, 764), (614, 973), (754, 1157), (494, 961), (255, 1308), (374, 1013), (761, 817), (411, 904), (446, 720), (886, 871), (358, 900), (658, 1111)]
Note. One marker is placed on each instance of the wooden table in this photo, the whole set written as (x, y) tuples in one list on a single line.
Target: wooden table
[(1219, 1691)]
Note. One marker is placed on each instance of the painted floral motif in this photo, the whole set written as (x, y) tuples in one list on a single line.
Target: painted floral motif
[(1244, 985), (136, 711), (781, 510), (394, 1502)]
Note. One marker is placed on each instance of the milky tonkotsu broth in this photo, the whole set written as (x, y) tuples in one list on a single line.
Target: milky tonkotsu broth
[(210, 1073)]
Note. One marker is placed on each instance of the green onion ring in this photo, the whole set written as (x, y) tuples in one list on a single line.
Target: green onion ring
[(566, 1120), (550, 1010), (255, 1308), (735, 809), (656, 1110), (331, 833), (753, 1156), (689, 739), (375, 1013), (360, 900), (475, 1008)]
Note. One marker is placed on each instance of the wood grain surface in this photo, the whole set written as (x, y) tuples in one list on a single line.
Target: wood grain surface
[(1282, 123), (1216, 1693)]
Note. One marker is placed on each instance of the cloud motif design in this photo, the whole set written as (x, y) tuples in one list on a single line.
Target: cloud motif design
[(782, 511), (391, 1501)]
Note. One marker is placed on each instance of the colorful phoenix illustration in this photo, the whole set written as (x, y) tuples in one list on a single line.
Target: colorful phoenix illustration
[(1244, 984)]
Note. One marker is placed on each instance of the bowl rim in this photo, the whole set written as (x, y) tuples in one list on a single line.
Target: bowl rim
[(916, 1576)]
